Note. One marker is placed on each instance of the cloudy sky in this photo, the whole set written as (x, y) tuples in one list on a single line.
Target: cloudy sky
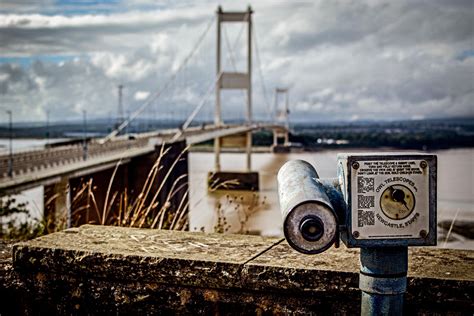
[(342, 60)]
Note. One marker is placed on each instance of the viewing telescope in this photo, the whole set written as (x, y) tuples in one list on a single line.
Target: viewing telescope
[(381, 203)]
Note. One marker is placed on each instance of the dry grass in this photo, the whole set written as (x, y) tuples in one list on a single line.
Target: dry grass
[(234, 212), (142, 210)]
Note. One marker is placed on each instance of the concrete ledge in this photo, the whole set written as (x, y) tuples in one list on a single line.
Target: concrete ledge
[(96, 269)]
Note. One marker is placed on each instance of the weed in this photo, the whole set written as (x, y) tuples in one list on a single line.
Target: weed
[(16, 222), (142, 210)]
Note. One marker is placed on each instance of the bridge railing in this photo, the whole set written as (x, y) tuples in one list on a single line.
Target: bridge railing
[(37, 160)]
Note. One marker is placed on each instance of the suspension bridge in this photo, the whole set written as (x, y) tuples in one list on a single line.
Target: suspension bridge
[(61, 169)]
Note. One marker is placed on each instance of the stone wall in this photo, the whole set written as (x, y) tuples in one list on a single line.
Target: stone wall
[(96, 269)]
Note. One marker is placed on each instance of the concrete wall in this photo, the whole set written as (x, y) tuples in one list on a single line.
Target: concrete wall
[(94, 269)]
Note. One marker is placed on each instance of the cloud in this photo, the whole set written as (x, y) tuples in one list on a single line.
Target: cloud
[(341, 60), (141, 95)]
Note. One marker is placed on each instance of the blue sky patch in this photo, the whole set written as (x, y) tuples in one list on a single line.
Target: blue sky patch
[(83, 7), (26, 62), (465, 55)]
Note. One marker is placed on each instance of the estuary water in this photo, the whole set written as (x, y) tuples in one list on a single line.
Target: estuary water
[(25, 144), (258, 213)]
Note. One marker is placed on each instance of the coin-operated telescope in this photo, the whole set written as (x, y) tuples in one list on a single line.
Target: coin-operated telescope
[(381, 203)]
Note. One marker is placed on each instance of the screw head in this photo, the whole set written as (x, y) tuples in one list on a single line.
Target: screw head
[(423, 164), (355, 234), (355, 165), (423, 233)]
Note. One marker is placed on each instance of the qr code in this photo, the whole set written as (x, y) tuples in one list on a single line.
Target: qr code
[(365, 201), (365, 185), (366, 218)]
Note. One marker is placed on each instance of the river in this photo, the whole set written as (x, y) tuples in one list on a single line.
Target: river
[(258, 213)]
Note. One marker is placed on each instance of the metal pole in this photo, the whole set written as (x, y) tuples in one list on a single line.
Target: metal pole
[(10, 132), (84, 145), (120, 118), (129, 125), (127, 130), (249, 66), (275, 106), (47, 127), (383, 280), (111, 122)]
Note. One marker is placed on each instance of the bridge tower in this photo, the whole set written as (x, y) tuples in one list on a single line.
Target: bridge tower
[(233, 80)]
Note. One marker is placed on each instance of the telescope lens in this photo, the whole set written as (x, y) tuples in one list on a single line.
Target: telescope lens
[(312, 228)]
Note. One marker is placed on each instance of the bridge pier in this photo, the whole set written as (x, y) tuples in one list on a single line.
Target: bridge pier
[(248, 151), (277, 136), (217, 154), (238, 141), (234, 180), (57, 206)]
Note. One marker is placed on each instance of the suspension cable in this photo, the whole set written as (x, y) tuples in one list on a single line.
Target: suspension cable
[(260, 72), (154, 96), (197, 108), (230, 50)]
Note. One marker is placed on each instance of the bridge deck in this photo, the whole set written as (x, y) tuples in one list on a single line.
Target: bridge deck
[(40, 167)]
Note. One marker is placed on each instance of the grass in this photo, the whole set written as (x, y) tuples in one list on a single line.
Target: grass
[(14, 228), (142, 210), (233, 212)]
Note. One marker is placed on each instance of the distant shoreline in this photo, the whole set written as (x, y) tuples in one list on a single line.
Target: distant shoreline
[(266, 149), (424, 135)]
